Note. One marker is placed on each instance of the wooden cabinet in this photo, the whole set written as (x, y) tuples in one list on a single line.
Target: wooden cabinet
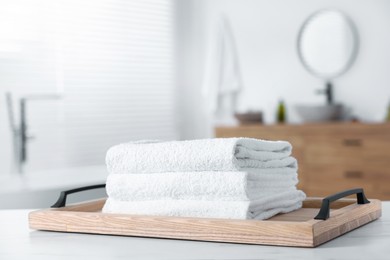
[(332, 157)]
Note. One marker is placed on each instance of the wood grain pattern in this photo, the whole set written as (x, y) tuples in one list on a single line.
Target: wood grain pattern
[(344, 220), (332, 156), (297, 228)]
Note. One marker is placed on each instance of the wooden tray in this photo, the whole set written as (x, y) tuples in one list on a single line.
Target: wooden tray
[(298, 228)]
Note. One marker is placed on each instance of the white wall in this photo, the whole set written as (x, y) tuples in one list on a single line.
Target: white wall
[(266, 34), (113, 64), (190, 36)]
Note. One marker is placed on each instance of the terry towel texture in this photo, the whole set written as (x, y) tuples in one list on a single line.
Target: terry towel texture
[(263, 208), (248, 185), (219, 154), (236, 178)]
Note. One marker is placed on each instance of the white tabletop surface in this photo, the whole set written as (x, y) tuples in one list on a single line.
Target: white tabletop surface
[(17, 241)]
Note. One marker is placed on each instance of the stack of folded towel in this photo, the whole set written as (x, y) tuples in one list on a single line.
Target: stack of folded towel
[(235, 178)]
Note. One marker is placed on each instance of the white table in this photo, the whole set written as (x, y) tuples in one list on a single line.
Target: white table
[(17, 241)]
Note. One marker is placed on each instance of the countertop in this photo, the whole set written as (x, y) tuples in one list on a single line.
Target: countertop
[(17, 241), (38, 189), (53, 179)]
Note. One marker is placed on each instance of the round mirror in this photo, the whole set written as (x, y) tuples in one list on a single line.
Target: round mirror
[(327, 44)]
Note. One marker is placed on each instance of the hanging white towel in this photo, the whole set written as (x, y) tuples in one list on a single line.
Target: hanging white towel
[(218, 154), (222, 78), (263, 208), (230, 186)]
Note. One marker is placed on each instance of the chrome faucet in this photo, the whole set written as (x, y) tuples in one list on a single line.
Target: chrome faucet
[(20, 135)]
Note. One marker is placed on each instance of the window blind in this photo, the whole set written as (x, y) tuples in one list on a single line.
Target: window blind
[(111, 61)]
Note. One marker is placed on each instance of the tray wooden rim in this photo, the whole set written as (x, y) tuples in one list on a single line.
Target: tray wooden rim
[(86, 218)]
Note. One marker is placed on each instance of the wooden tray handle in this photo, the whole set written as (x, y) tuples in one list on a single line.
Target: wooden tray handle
[(62, 199), (323, 214)]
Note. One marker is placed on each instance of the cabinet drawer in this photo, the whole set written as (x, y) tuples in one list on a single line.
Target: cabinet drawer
[(347, 148), (332, 157), (326, 179)]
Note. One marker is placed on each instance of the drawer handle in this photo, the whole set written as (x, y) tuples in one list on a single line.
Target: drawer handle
[(353, 174), (352, 142), (323, 214), (63, 195)]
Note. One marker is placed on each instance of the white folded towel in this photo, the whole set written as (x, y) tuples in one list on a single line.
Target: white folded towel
[(263, 208), (218, 154), (244, 185)]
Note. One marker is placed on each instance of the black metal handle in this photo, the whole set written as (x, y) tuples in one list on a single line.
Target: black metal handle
[(352, 142), (62, 199), (353, 174), (325, 207)]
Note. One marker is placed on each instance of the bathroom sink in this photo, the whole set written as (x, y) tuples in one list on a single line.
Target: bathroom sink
[(320, 113)]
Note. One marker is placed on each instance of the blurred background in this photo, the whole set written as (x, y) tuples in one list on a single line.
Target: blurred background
[(77, 77)]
